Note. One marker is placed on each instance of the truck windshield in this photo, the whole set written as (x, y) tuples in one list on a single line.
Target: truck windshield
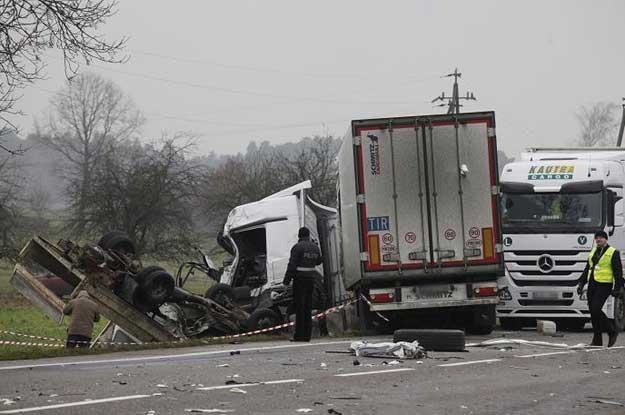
[(552, 211)]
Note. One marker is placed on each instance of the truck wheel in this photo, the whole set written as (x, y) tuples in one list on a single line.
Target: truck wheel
[(482, 321), (141, 275), (436, 340), (263, 318), (222, 294), (511, 324), (118, 242), (156, 287)]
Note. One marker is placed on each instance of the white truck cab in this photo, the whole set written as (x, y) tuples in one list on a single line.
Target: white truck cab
[(553, 201)]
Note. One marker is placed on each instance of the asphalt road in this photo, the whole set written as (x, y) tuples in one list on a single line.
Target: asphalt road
[(287, 378)]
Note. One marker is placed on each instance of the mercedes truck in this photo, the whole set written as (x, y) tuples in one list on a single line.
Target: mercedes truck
[(553, 201)]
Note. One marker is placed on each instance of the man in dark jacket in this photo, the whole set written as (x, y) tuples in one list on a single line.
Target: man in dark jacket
[(604, 274), (84, 313), (305, 256)]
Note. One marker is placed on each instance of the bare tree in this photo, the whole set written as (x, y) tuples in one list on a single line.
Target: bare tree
[(598, 124), (30, 27), (10, 179), (90, 117), (314, 160), (147, 191)]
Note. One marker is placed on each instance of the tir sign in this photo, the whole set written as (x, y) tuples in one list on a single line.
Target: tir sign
[(378, 223)]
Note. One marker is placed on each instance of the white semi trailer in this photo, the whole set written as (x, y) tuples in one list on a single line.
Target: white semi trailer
[(419, 219), (554, 200)]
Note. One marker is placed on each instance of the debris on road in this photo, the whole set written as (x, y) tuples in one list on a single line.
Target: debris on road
[(160, 385), (605, 401), (546, 327), (521, 342), (333, 411), (391, 363), (210, 411), (224, 365), (6, 401), (304, 410), (402, 350), (238, 390), (356, 362)]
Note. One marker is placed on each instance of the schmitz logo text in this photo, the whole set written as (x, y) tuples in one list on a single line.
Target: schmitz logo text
[(550, 172), (374, 154)]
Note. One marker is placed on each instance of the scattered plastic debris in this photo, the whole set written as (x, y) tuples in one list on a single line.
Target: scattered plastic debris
[(150, 412), (120, 382), (210, 411), (54, 395), (238, 390), (235, 352), (606, 401), (158, 394), (521, 342), (356, 362), (304, 410), (6, 401), (224, 365), (392, 363), (402, 350), (323, 365), (160, 385), (334, 412)]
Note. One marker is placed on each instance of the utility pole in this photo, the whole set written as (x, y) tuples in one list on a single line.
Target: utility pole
[(619, 141), (454, 100)]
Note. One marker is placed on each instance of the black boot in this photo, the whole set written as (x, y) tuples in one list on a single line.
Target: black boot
[(597, 340), (612, 338)]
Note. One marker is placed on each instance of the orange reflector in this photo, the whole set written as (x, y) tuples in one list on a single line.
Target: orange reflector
[(381, 297), (374, 250), (487, 235)]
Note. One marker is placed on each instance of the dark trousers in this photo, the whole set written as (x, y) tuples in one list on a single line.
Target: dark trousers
[(302, 297), (76, 340), (598, 293)]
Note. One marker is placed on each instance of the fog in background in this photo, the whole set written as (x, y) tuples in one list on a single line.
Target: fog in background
[(235, 71)]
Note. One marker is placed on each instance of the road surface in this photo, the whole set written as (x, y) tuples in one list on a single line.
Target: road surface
[(290, 378)]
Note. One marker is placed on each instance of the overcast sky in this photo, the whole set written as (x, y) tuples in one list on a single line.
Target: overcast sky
[(234, 71)]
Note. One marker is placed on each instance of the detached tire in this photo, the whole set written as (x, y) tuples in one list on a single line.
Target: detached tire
[(118, 242), (222, 294), (435, 340), (156, 287), (263, 318)]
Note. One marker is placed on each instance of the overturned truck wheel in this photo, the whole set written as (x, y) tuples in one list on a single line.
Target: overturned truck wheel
[(118, 242), (263, 318), (155, 285), (435, 340), (222, 294)]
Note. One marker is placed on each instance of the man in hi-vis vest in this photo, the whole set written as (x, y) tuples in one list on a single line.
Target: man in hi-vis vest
[(604, 274)]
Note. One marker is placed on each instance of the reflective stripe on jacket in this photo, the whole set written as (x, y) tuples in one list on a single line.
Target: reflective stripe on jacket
[(602, 271)]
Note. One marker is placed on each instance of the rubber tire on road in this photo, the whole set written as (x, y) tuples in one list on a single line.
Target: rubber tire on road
[(219, 292), (118, 242), (510, 324), (156, 287), (480, 325), (435, 340), (263, 318)]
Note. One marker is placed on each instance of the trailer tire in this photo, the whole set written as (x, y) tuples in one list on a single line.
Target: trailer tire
[(222, 294), (156, 287), (118, 242), (263, 318), (140, 276), (510, 324), (435, 340), (482, 320)]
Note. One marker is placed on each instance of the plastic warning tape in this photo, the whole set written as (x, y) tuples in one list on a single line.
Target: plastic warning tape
[(61, 342), (366, 300), (30, 344)]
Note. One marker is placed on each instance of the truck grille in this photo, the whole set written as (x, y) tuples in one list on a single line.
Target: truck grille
[(566, 267), (546, 302)]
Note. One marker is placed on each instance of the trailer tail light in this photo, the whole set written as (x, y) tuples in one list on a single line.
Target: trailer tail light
[(381, 297), (374, 250), (489, 249), (485, 291)]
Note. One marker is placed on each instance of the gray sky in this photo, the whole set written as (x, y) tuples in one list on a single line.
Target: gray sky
[(281, 70)]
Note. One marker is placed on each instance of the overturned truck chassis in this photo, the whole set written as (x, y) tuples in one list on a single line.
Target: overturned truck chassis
[(143, 301)]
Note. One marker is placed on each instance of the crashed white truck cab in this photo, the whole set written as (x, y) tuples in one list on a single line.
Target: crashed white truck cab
[(554, 200), (259, 236)]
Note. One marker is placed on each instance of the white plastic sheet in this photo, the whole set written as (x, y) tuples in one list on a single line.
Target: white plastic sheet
[(401, 350)]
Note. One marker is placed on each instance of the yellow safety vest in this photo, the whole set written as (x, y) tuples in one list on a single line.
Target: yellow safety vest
[(603, 269)]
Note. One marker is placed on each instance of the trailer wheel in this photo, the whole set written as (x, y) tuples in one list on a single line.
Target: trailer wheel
[(156, 287), (510, 324), (140, 276), (436, 340), (482, 321), (222, 294), (263, 318), (119, 242)]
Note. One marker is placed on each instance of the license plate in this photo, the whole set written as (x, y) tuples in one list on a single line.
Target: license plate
[(433, 292), (545, 295)]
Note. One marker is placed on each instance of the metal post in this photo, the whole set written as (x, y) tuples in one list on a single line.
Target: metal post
[(619, 141)]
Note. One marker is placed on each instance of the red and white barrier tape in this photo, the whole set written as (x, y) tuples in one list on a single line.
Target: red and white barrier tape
[(61, 343), (366, 300)]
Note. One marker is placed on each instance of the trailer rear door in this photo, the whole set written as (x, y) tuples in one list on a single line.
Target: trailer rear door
[(426, 186)]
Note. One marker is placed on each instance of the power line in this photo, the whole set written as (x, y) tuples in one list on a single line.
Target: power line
[(454, 100)]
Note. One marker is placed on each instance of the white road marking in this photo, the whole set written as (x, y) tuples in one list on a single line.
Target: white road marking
[(171, 356), (245, 385), (473, 362), (70, 404), (545, 354), (603, 349), (373, 372)]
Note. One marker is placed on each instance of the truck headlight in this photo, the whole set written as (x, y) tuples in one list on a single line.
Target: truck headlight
[(504, 294)]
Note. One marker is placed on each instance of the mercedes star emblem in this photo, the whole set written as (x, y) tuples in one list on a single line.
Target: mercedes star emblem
[(545, 263)]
